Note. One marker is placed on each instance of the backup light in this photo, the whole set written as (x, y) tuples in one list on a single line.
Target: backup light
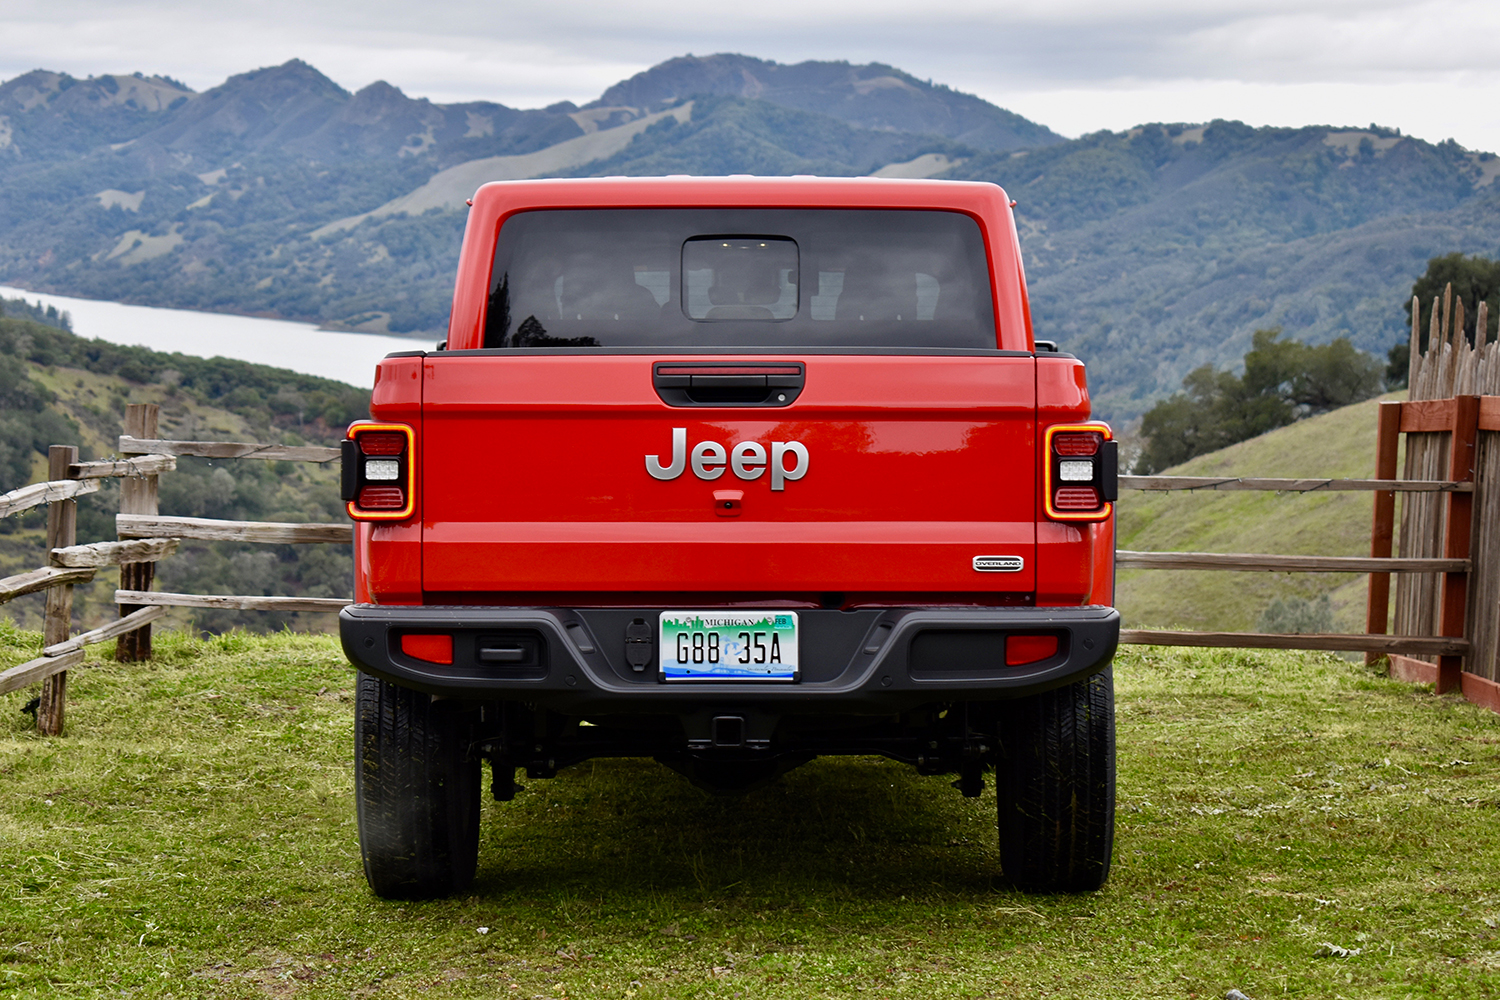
[(1068, 472), (385, 469)]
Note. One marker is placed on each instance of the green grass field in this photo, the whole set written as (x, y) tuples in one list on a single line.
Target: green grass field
[(1289, 825), (1340, 444)]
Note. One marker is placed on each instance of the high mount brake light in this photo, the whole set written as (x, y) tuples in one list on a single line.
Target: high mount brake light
[(380, 472), (1078, 472)]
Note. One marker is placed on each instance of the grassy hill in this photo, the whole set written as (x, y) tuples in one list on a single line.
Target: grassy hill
[(1340, 444)]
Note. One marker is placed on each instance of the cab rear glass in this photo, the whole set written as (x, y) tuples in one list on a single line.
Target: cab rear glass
[(740, 278)]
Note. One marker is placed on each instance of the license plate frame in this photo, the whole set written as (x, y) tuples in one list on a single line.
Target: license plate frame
[(772, 653)]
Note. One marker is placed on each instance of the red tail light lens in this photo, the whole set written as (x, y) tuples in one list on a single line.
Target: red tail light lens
[(432, 648), (381, 498), (1022, 649), (1076, 498), (1077, 444), (381, 442)]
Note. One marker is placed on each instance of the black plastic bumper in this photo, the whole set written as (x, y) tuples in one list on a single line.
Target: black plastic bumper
[(578, 661)]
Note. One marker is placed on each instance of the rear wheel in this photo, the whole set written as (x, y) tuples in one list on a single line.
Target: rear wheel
[(1057, 787), (416, 791)]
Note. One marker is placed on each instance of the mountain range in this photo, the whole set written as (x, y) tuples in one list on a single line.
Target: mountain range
[(1149, 251)]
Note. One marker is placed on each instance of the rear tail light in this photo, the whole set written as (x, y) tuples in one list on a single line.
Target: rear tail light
[(1023, 649), (428, 647), (379, 481), (1080, 473)]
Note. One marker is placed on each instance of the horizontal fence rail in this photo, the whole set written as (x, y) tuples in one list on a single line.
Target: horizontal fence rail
[(1251, 562), (212, 530), (1171, 483), (231, 602), (144, 465), (114, 553), (40, 579), (37, 494), (229, 449), (1357, 643)]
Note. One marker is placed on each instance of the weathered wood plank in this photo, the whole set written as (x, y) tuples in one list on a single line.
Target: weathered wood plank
[(40, 579), (209, 529), (1489, 412), (229, 449), (119, 626), (1254, 562), (57, 616), (38, 669), (1292, 485), (1429, 645), (230, 602), (1420, 416), (39, 493), (138, 495), (114, 553), (142, 465), (1383, 515)]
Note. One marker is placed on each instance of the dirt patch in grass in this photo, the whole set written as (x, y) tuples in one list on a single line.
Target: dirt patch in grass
[(1290, 825)]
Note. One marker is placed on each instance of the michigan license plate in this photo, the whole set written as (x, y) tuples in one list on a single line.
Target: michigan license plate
[(728, 646)]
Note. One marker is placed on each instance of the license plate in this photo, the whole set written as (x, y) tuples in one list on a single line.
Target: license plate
[(728, 646)]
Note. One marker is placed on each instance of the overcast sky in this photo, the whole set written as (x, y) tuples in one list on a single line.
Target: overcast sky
[(1431, 69)]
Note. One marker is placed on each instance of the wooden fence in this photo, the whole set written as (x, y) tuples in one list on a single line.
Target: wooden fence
[(1443, 623), (144, 538)]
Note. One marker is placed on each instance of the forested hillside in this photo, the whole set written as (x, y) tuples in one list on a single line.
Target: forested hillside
[(1150, 252), (57, 388)]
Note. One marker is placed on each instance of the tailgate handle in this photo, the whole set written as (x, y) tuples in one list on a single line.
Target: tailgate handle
[(738, 383)]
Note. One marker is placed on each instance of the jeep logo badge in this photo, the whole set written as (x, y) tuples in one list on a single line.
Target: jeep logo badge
[(998, 564), (748, 459)]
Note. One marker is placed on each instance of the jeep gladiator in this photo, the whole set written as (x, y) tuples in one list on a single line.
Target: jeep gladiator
[(733, 473)]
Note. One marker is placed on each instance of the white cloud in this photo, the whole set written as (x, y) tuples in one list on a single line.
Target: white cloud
[(1421, 65)]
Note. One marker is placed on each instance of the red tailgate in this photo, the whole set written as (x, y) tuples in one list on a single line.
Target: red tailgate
[(534, 480)]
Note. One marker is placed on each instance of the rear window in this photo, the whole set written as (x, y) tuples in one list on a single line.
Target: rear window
[(740, 278)]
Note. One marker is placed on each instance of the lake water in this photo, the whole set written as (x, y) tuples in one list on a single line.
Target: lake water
[(302, 347)]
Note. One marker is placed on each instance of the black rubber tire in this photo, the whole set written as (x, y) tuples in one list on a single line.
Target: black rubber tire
[(416, 789), (1056, 789)]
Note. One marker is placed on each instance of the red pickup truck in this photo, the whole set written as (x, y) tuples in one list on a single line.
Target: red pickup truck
[(733, 473)]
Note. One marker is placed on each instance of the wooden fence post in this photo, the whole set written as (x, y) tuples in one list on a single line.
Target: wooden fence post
[(137, 496), (1387, 444), (1456, 537), (57, 626)]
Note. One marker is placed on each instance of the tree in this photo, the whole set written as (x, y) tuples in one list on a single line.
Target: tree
[(1473, 279), (1284, 381)]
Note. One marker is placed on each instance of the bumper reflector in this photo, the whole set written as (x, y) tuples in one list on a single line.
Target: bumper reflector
[(1023, 649), (432, 648)]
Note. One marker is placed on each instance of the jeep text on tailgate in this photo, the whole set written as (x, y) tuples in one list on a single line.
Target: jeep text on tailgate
[(733, 473)]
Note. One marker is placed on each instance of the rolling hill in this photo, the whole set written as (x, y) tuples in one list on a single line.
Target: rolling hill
[(1340, 444), (1150, 251)]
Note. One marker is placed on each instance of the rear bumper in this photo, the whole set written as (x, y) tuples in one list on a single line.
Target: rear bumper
[(853, 662)]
